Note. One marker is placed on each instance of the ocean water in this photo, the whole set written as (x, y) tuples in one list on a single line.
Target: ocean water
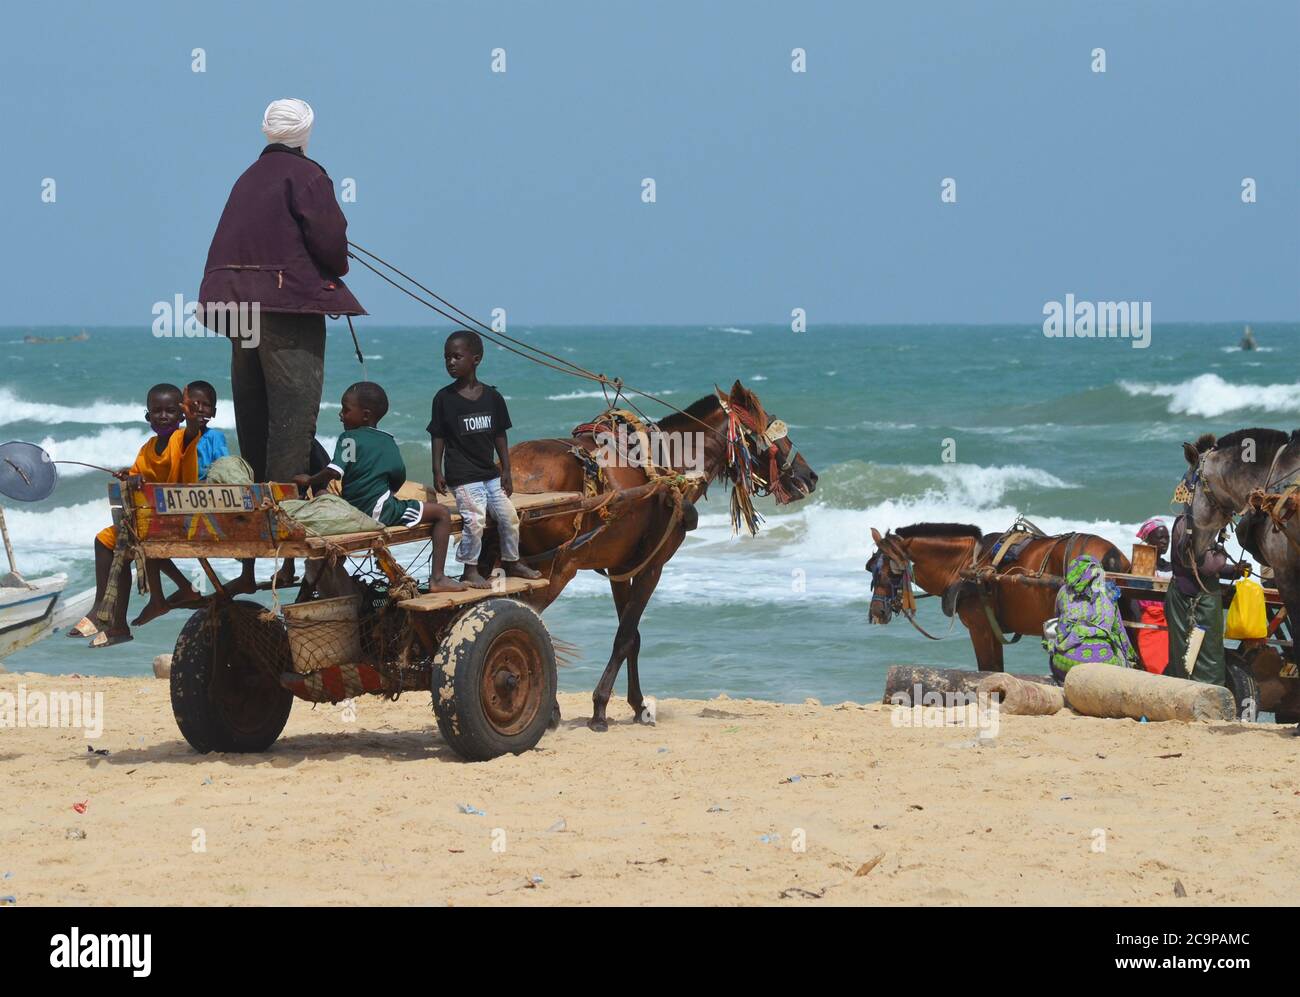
[(1076, 434)]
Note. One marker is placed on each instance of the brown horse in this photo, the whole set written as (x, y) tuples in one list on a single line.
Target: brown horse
[(935, 556), (631, 541)]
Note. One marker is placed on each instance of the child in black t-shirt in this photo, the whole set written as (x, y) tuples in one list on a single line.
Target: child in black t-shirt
[(468, 427)]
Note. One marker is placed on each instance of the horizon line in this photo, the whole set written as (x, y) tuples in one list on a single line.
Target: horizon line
[(736, 324)]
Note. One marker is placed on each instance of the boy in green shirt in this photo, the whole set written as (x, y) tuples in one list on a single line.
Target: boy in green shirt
[(368, 461)]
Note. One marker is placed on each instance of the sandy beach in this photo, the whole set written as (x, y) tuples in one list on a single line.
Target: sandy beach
[(723, 802)]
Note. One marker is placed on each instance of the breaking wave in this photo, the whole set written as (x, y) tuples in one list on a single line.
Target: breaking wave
[(1210, 396)]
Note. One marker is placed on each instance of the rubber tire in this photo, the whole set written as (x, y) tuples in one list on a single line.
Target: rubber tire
[(1241, 683), (458, 675), (202, 721)]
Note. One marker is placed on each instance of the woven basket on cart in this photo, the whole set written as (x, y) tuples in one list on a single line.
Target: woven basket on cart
[(323, 633)]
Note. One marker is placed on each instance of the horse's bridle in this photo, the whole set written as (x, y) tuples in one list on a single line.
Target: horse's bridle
[(893, 601), (1199, 478), (758, 443), (900, 599)]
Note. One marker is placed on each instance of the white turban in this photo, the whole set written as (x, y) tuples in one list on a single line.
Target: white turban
[(288, 121)]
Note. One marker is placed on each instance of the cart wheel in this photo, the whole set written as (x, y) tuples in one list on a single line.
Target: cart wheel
[(495, 689), (1244, 689), (221, 699)]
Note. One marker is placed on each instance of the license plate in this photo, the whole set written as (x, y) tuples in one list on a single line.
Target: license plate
[(179, 500)]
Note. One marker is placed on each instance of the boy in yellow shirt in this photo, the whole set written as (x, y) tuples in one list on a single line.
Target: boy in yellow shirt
[(169, 457)]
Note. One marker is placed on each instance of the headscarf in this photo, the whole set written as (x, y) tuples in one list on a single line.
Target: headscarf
[(288, 121), (1085, 575), (1149, 527)]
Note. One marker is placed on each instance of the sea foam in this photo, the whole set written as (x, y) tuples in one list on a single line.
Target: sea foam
[(1210, 396)]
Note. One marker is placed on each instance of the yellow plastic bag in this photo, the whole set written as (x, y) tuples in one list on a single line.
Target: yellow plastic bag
[(1246, 617)]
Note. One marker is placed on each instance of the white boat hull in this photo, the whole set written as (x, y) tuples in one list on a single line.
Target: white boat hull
[(29, 613)]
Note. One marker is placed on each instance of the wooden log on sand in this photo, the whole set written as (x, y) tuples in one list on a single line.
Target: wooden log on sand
[(1020, 698), (903, 681), (1111, 691)]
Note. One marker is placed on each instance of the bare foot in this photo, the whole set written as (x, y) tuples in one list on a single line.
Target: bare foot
[(185, 598), (441, 583), (243, 585), (153, 609), (517, 569), (472, 579)]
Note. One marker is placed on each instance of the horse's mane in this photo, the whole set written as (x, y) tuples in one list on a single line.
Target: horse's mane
[(698, 409), (1267, 441), (939, 530)]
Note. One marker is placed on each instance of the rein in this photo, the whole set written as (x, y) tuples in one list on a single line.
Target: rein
[(519, 347)]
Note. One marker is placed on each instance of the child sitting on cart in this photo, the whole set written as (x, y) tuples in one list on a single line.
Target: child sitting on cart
[(200, 404), (169, 457), (371, 466)]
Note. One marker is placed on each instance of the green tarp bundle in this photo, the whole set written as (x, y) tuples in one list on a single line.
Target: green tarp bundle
[(229, 471), (328, 515), (324, 516)]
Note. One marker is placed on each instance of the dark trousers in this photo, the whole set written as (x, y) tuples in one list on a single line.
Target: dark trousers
[(276, 389), (1182, 612)]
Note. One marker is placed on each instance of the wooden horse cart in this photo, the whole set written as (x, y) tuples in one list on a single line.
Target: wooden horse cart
[(238, 665)]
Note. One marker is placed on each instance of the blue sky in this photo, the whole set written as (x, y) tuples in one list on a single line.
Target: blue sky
[(775, 190)]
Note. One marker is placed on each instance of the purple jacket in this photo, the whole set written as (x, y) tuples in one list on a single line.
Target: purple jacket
[(282, 240)]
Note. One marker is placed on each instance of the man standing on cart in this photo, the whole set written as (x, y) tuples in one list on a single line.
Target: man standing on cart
[(280, 250)]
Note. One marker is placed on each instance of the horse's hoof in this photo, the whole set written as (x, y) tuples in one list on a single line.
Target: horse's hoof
[(646, 715), (555, 716), (599, 726)]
